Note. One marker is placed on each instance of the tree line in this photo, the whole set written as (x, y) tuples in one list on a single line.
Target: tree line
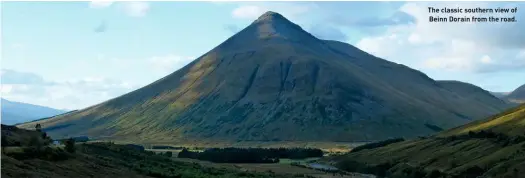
[(251, 155), (377, 144)]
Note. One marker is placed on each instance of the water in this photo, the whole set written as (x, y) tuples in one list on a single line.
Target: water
[(323, 167)]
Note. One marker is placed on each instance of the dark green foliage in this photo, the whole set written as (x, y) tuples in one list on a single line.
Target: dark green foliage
[(70, 145), (160, 147), (377, 144), (354, 166), (38, 127), (45, 153), (501, 138), (472, 172), (136, 147), (169, 154), (251, 155), (146, 163), (4, 142)]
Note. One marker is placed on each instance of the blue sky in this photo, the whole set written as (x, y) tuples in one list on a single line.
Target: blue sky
[(71, 55)]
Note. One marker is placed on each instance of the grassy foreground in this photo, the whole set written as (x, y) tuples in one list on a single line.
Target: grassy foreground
[(29, 154)]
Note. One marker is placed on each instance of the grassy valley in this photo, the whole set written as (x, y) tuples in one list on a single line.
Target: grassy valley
[(29, 153)]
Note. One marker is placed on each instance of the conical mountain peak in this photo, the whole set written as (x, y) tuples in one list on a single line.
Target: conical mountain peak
[(270, 28), (270, 16)]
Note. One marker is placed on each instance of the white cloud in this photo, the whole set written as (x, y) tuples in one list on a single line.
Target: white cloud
[(486, 59), (460, 47), (100, 3), (169, 63), (17, 46), (5, 89), (136, 8), (521, 54), (131, 8), (290, 10), (248, 12), (70, 94)]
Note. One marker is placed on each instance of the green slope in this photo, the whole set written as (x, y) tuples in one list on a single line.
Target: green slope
[(494, 147), (273, 81)]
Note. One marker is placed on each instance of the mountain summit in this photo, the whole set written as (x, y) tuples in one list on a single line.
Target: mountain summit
[(273, 81)]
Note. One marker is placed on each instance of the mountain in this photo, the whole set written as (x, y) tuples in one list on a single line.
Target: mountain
[(16, 112), (492, 147), (273, 81), (471, 92), (517, 95), (500, 94)]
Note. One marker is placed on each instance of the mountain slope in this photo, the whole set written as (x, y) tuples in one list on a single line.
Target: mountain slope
[(517, 95), (273, 81), (494, 147), (16, 112), (471, 92)]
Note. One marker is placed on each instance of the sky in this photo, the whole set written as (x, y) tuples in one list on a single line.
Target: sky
[(71, 55)]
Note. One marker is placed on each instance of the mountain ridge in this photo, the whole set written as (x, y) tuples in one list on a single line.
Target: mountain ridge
[(17, 112), (273, 81)]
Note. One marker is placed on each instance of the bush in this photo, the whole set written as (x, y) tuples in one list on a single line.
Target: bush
[(169, 154), (70, 145)]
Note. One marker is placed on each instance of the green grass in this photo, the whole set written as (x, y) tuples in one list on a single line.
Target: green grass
[(105, 159), (453, 152)]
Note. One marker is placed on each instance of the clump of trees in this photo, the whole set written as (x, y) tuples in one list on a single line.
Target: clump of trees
[(251, 155), (377, 144), (34, 144), (161, 147)]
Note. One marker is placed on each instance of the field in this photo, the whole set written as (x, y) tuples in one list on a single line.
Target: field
[(285, 166), (278, 168)]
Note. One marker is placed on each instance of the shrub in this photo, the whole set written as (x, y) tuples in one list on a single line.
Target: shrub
[(70, 145)]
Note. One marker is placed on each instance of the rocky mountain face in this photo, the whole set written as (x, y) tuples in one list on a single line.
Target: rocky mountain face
[(273, 81)]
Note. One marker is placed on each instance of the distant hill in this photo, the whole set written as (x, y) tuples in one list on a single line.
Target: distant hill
[(517, 95), (273, 81), (17, 112), (500, 94), (493, 147)]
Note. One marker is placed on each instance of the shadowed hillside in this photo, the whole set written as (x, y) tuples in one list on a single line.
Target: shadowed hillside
[(494, 147), (273, 81)]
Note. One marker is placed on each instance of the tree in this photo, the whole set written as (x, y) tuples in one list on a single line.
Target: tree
[(38, 127), (70, 145), (4, 142), (169, 154)]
